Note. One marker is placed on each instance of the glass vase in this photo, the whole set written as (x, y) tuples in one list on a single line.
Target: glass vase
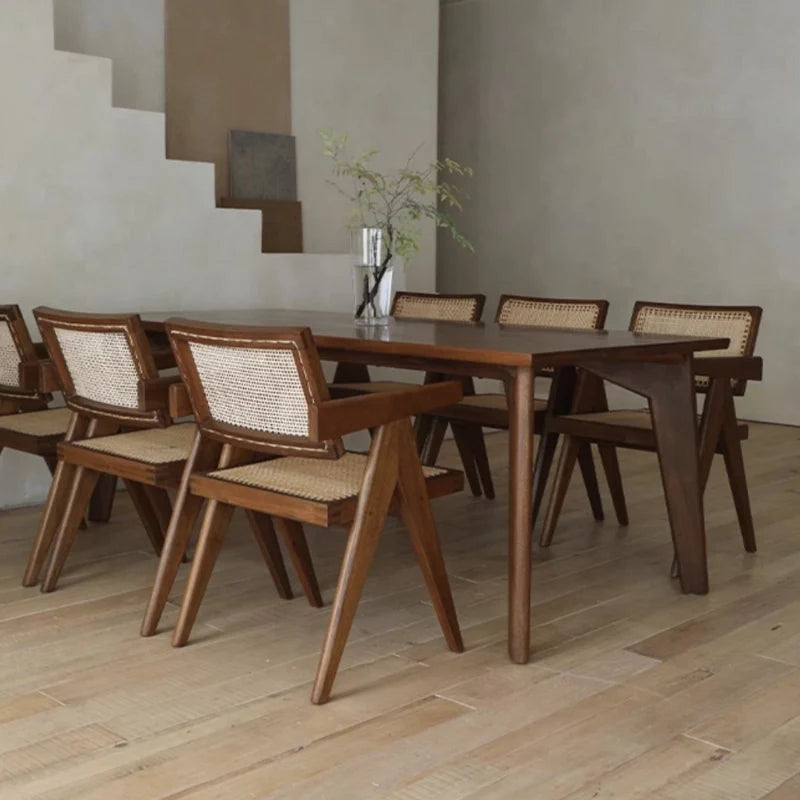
[(373, 273)]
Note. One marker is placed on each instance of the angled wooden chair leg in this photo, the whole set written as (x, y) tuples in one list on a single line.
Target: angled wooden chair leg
[(545, 452), (380, 481), (294, 539), (204, 454), (264, 533), (147, 514), (608, 455), (423, 424), (53, 512), (215, 525), (52, 465), (161, 505), (102, 500), (566, 464), (737, 477), (467, 455), (589, 474), (418, 517), (81, 490), (478, 447), (438, 430)]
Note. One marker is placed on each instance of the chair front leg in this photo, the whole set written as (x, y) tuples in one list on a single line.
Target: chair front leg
[(377, 489), (204, 455), (418, 517), (467, 455), (81, 490), (209, 541), (53, 512)]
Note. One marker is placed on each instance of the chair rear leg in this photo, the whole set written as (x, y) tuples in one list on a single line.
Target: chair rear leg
[(147, 514), (438, 430), (465, 451), (737, 478), (102, 501), (294, 539), (589, 474), (215, 525), (566, 464), (545, 453), (608, 455), (423, 425), (478, 446), (80, 492), (418, 516), (264, 533), (377, 489)]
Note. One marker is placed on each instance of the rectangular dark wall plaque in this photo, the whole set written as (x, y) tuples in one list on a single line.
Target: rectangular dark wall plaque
[(263, 166)]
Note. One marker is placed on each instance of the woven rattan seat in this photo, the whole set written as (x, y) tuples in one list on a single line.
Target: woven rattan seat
[(47, 423), (153, 446), (313, 479)]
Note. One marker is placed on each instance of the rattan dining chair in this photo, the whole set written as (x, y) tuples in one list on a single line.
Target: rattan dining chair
[(467, 309), (719, 376), (260, 393), (490, 410), (28, 423), (111, 384)]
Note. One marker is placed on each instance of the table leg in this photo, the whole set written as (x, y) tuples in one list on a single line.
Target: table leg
[(520, 434), (669, 386)]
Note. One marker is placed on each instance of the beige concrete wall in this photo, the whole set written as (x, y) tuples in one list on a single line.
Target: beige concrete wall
[(131, 32), (632, 149), (369, 68), (227, 67)]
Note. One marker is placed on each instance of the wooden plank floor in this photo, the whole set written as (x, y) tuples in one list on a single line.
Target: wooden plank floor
[(634, 691)]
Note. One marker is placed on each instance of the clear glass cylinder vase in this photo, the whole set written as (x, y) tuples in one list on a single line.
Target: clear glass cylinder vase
[(373, 273)]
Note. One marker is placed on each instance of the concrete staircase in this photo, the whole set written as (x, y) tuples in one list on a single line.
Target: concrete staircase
[(93, 216)]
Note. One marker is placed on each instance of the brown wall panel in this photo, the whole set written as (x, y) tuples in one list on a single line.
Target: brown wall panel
[(227, 66)]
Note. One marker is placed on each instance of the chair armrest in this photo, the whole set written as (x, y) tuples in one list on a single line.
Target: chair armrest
[(154, 393), (742, 368), (179, 403), (39, 376), (335, 418)]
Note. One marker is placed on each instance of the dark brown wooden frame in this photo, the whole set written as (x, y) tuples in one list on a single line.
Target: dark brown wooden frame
[(393, 477), (719, 430)]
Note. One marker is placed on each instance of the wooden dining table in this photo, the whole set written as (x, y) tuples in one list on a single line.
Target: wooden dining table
[(656, 367)]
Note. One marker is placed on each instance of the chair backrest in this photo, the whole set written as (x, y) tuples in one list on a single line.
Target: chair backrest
[(16, 348), (253, 387), (547, 312), (738, 323), (443, 307), (100, 360)]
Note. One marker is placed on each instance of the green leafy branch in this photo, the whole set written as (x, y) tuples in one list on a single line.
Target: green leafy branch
[(395, 202)]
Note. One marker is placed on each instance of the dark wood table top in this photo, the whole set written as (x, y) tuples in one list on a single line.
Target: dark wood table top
[(486, 343)]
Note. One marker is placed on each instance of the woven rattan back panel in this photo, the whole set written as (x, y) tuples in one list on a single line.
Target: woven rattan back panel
[(16, 347), (101, 360), (253, 386), (10, 358), (547, 313), (101, 365), (737, 323), (445, 307)]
